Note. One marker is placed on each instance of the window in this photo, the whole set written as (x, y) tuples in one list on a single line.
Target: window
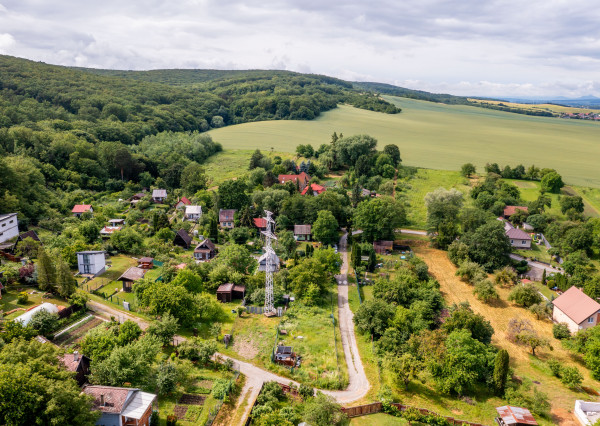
[(523, 242), (3, 225), (591, 319), (11, 221), (86, 269), (86, 258), (512, 241)]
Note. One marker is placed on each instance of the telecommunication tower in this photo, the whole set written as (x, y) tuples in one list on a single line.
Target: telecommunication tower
[(270, 266)]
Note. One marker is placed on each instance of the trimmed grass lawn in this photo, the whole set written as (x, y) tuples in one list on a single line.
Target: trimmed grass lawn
[(440, 136), (10, 295), (539, 252), (120, 264), (310, 332)]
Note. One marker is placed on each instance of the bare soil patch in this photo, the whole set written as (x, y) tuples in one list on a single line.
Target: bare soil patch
[(245, 347), (562, 417), (191, 399)]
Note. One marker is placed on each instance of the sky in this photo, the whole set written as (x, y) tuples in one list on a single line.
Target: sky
[(496, 48)]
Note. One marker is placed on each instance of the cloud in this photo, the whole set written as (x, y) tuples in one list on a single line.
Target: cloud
[(484, 46)]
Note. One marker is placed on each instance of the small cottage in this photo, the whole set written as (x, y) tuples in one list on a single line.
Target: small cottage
[(302, 232), (130, 276), (107, 231), (228, 292), (193, 212), (182, 239), (301, 180), (78, 364), (9, 226), (122, 406), (510, 210), (226, 218), (205, 251), (260, 223), (518, 238), (91, 262), (159, 195), (576, 309), (80, 209)]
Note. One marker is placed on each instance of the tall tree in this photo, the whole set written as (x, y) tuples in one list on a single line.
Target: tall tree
[(66, 283), (46, 271), (325, 228), (501, 371)]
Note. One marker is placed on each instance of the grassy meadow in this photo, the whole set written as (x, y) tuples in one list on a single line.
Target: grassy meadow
[(439, 136)]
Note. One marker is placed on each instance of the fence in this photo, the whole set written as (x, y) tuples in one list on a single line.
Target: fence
[(377, 407), (261, 310)]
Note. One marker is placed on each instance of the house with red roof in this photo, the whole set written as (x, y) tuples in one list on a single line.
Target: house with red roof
[(314, 189), (80, 209), (301, 179), (260, 223), (576, 309), (510, 210), (182, 203)]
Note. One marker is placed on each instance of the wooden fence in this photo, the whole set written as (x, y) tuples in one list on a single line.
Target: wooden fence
[(376, 407)]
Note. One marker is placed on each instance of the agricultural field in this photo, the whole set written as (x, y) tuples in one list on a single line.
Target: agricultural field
[(555, 109), (440, 136)]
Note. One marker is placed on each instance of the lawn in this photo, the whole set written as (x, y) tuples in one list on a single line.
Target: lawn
[(440, 136), (537, 252), (523, 363), (379, 419), (119, 264), (591, 197), (309, 331), (425, 181), (35, 297)]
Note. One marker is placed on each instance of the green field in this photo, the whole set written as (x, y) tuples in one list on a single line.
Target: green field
[(439, 136)]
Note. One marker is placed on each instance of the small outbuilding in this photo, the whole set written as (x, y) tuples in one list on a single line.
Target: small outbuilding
[(588, 413), (205, 251), (285, 355), (182, 239), (146, 263), (193, 212), (576, 309), (26, 317), (514, 416), (383, 247), (228, 292), (302, 232), (130, 276), (107, 231), (510, 210), (182, 203)]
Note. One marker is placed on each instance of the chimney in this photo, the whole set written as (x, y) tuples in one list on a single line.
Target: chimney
[(102, 400), (75, 356)]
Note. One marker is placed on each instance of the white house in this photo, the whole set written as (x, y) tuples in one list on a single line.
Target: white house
[(193, 212), (91, 262), (518, 238), (9, 226), (576, 309)]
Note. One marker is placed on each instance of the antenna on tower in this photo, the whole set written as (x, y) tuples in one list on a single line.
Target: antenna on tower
[(270, 266)]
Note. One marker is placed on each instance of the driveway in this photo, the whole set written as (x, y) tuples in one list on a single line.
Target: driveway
[(537, 268)]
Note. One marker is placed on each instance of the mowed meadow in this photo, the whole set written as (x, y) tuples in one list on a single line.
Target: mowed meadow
[(439, 136)]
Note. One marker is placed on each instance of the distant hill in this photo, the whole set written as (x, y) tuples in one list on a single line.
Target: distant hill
[(388, 89)]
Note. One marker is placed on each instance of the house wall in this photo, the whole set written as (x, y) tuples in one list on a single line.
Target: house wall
[(96, 262), (109, 419), (586, 324), (226, 224), (9, 228), (516, 243), (560, 316)]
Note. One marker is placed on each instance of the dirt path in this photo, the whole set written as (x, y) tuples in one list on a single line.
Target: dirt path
[(358, 384)]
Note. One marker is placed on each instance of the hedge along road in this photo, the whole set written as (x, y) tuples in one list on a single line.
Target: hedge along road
[(358, 384)]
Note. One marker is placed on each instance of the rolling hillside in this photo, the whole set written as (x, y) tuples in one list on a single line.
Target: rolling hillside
[(442, 136)]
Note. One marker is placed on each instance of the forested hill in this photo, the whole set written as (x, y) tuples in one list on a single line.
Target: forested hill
[(388, 89)]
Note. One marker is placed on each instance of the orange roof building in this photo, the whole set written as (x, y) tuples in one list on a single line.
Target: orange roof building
[(576, 309)]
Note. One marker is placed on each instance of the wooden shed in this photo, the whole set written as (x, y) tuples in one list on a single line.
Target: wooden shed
[(383, 247), (228, 292), (183, 239), (130, 276), (146, 263)]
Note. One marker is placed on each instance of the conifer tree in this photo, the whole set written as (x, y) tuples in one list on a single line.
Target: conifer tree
[(66, 283), (500, 371), (46, 272)]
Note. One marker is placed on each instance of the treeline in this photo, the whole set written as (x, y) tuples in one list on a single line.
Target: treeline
[(388, 89), (506, 108)]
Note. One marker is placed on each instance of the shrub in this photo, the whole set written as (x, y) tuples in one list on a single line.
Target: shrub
[(306, 391), (525, 295), (555, 366), (571, 377), (561, 331), (22, 298), (221, 388), (485, 291)]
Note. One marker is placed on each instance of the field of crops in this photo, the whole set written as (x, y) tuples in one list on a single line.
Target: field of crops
[(441, 136)]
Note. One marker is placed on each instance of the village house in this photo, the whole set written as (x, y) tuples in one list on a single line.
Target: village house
[(182, 239), (80, 209), (510, 210), (130, 276), (116, 222), (302, 232), (260, 223), (263, 260), (514, 416), (182, 202), (91, 262), (576, 309), (314, 189), (228, 292), (23, 236), (205, 251), (146, 263), (193, 212), (518, 238), (9, 226), (122, 406), (159, 195), (78, 364), (301, 180), (226, 218)]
